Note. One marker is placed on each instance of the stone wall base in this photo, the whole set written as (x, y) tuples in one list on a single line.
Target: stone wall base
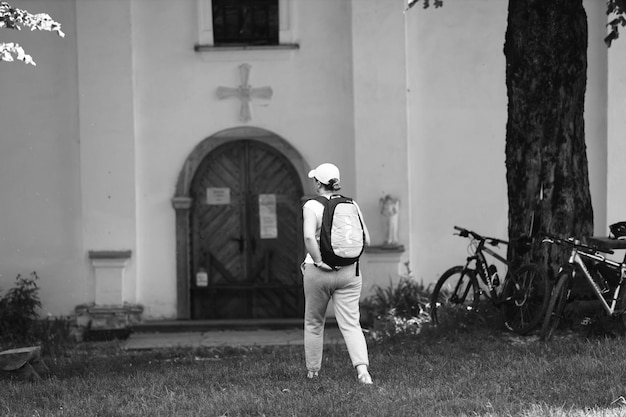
[(96, 322)]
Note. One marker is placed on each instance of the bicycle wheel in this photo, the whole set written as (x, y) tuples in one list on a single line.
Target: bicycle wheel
[(557, 304), (525, 298), (457, 289)]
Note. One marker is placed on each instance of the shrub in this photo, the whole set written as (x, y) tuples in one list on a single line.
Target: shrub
[(459, 319), (53, 333), (20, 322), (18, 308), (398, 310), (402, 310)]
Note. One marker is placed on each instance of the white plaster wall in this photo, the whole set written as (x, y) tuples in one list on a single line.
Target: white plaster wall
[(616, 149), (40, 212), (458, 113), (380, 120), (457, 118), (105, 75), (596, 113), (453, 149), (176, 108)]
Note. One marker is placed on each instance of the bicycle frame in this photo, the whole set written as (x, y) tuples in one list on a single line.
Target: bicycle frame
[(519, 295), (576, 259), (482, 265)]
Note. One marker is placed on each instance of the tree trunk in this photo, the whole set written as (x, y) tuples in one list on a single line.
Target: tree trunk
[(546, 160)]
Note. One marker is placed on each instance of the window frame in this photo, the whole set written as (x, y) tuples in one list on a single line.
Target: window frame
[(205, 29), (245, 22)]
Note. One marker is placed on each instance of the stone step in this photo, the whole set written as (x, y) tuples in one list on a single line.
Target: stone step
[(174, 326)]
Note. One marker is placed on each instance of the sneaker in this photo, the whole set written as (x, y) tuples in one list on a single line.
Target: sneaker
[(365, 378), (312, 375)]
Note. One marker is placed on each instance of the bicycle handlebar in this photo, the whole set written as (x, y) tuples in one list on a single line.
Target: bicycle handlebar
[(491, 240), (572, 242)]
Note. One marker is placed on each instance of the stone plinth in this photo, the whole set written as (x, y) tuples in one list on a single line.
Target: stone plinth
[(111, 314), (115, 321), (381, 266), (109, 268)]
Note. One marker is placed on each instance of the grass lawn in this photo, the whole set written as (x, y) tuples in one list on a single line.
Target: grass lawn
[(476, 373)]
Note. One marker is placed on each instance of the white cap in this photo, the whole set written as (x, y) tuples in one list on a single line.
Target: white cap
[(324, 173)]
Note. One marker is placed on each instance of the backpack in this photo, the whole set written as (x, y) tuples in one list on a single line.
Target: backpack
[(342, 235)]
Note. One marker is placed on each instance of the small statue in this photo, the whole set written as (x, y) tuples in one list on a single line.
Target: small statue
[(390, 207)]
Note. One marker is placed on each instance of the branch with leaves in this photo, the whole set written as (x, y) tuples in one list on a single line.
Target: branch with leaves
[(616, 10), (13, 18), (425, 4)]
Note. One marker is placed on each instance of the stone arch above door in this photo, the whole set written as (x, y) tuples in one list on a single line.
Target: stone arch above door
[(182, 200), (207, 145)]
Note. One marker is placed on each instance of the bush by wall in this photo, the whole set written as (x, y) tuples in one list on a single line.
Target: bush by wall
[(397, 310), (18, 308)]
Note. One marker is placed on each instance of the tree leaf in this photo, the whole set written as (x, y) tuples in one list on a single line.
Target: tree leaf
[(613, 34)]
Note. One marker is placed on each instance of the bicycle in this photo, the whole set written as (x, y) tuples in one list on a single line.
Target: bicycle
[(605, 276), (524, 294)]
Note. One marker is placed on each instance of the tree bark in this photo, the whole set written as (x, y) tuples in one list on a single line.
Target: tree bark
[(546, 78)]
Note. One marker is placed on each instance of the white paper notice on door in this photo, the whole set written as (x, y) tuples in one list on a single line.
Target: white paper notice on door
[(218, 196), (267, 216)]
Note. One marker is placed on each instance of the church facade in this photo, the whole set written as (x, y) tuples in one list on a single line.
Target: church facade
[(156, 158)]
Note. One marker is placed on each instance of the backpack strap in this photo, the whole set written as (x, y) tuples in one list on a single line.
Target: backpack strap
[(324, 200), (321, 199)]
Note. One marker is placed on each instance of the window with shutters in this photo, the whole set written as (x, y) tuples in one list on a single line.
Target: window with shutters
[(245, 22), (245, 26)]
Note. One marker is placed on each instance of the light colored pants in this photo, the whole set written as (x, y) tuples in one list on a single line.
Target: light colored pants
[(344, 288)]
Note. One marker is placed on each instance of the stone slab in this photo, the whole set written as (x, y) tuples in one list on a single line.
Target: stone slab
[(225, 338)]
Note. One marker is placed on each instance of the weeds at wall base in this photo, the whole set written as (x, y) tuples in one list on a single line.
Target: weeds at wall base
[(400, 311), (20, 324)]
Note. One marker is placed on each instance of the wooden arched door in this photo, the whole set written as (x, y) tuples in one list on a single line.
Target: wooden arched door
[(246, 234)]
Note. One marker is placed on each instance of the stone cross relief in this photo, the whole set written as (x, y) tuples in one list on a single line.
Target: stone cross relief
[(244, 92)]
